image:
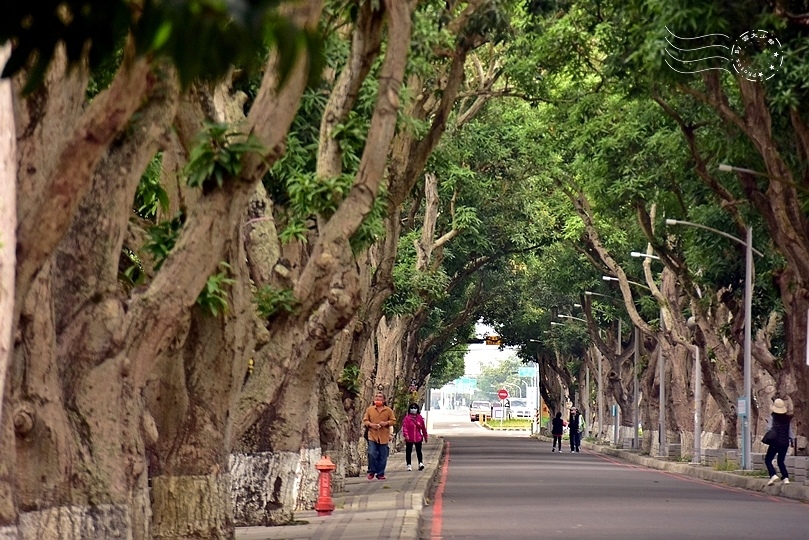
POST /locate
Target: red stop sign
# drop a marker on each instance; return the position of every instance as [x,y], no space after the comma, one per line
[502,393]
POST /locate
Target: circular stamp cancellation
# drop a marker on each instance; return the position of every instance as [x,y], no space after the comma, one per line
[756,55]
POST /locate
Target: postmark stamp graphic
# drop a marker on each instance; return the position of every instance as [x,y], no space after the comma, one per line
[757,55]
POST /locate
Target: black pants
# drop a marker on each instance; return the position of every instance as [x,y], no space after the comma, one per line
[781,451]
[575,440]
[557,442]
[409,449]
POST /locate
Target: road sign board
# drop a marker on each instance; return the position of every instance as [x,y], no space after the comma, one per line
[528,371]
[741,406]
[502,393]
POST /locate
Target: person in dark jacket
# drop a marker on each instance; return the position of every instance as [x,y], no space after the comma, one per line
[573,426]
[557,429]
[781,422]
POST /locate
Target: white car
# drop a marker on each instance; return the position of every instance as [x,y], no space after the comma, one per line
[518,408]
[479,409]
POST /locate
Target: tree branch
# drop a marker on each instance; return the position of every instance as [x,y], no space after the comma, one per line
[701,164]
[365,46]
[156,315]
[582,206]
[44,222]
[357,205]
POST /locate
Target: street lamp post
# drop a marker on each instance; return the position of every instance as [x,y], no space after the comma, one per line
[636,438]
[619,351]
[748,323]
[588,417]
[661,361]
[539,403]
[697,459]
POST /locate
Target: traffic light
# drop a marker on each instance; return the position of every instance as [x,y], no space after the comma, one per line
[494,340]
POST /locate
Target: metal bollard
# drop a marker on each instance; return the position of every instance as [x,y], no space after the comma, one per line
[324,504]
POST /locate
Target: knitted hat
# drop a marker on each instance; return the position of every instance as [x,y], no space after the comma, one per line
[778,406]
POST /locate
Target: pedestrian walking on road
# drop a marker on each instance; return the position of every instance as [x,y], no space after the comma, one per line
[573,425]
[557,429]
[414,432]
[781,424]
[378,419]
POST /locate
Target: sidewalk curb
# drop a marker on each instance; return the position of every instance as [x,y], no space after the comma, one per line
[368,509]
[750,483]
[420,495]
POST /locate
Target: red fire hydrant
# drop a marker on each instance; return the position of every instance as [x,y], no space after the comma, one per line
[324,504]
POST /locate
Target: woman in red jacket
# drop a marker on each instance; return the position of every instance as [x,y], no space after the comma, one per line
[414,432]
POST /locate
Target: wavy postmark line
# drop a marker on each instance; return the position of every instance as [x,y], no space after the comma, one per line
[693,49]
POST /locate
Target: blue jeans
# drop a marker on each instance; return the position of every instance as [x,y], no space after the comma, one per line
[377,457]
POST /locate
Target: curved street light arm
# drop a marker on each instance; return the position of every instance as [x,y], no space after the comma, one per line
[572,317]
[612,278]
[717,231]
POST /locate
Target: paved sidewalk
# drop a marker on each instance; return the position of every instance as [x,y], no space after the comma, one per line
[367,509]
[752,483]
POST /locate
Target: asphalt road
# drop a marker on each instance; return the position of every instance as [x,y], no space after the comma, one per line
[511,487]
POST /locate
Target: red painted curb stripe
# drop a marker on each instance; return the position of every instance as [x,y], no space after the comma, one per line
[438,505]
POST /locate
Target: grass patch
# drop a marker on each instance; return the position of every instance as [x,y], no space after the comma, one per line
[513,423]
[761,474]
[727,465]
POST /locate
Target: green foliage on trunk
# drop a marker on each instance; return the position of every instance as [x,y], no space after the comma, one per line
[218,154]
[214,296]
[271,301]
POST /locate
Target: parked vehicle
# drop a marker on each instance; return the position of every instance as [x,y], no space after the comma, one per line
[518,408]
[478,409]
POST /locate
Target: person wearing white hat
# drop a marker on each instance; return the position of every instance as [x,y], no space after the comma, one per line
[778,437]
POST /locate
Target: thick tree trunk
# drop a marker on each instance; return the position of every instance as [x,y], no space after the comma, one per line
[328,291]
[8,222]
[195,388]
[86,351]
[72,333]
[720,374]
[191,401]
[268,487]
[81,430]
[82,522]
[651,402]
[192,507]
